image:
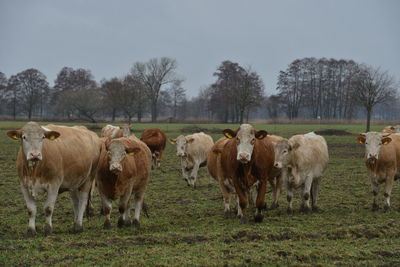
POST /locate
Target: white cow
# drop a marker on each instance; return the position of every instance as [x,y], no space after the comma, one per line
[193,150]
[303,160]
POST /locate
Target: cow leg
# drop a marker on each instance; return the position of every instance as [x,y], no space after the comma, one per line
[227,197]
[314,193]
[305,206]
[388,191]
[83,198]
[90,208]
[289,196]
[193,174]
[276,190]
[243,204]
[124,218]
[185,175]
[375,191]
[153,161]
[260,202]
[52,194]
[159,155]
[75,203]
[31,206]
[139,196]
[107,207]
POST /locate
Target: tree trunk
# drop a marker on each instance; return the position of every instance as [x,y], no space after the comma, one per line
[154,111]
[369,113]
[139,116]
[114,111]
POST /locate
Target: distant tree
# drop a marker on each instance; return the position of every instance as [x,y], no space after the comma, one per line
[112,91]
[178,95]
[3,87]
[153,75]
[87,102]
[273,104]
[32,87]
[372,87]
[134,97]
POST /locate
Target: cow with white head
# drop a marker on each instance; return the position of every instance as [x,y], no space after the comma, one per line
[382,159]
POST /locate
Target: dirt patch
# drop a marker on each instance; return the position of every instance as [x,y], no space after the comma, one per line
[333,132]
[194,239]
[250,236]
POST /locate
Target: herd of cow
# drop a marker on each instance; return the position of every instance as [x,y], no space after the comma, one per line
[55,159]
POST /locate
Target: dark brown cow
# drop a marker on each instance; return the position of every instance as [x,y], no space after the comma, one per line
[124,169]
[155,139]
[245,161]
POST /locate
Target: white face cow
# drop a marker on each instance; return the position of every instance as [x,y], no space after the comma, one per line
[245,137]
[181,144]
[32,136]
[373,142]
[116,152]
[126,131]
[282,150]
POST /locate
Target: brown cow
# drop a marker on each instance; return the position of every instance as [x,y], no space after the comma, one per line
[115,131]
[54,159]
[124,169]
[155,139]
[245,161]
[382,158]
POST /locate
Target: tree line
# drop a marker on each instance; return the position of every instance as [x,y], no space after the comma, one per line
[307,88]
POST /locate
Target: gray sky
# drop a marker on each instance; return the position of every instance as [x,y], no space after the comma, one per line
[107,37]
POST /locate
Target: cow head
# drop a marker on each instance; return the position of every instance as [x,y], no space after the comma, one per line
[373,142]
[283,149]
[31,137]
[181,144]
[245,138]
[117,150]
[126,131]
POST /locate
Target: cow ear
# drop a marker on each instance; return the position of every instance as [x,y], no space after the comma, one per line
[228,133]
[190,140]
[51,135]
[172,140]
[361,139]
[14,135]
[386,140]
[294,146]
[261,134]
[132,149]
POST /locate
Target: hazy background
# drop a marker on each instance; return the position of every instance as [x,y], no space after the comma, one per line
[107,37]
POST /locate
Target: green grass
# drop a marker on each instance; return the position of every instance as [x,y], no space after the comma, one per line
[186,226]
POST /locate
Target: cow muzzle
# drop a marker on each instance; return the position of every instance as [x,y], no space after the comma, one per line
[115,168]
[181,154]
[243,158]
[278,165]
[32,156]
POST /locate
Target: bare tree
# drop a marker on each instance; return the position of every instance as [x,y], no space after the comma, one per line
[177,93]
[154,74]
[3,87]
[372,87]
[112,90]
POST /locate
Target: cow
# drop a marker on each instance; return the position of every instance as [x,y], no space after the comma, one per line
[382,159]
[54,159]
[192,150]
[115,131]
[155,139]
[303,160]
[123,171]
[391,129]
[245,161]
[215,171]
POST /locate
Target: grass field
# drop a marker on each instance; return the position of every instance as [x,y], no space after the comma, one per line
[186,226]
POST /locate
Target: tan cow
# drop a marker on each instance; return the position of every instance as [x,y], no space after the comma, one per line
[391,129]
[124,170]
[115,131]
[382,158]
[303,160]
[192,150]
[53,159]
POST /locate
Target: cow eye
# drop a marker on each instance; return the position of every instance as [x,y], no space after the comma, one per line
[24,137]
[285,151]
[43,137]
[366,143]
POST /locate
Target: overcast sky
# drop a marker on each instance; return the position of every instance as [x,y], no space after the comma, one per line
[107,37]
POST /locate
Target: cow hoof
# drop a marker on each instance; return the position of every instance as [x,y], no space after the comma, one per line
[289,211]
[274,206]
[128,223]
[226,214]
[305,210]
[31,232]
[315,209]
[258,218]
[90,212]
[386,208]
[375,207]
[101,211]
[47,230]
[107,225]
[244,220]
[78,228]
[136,223]
[121,222]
